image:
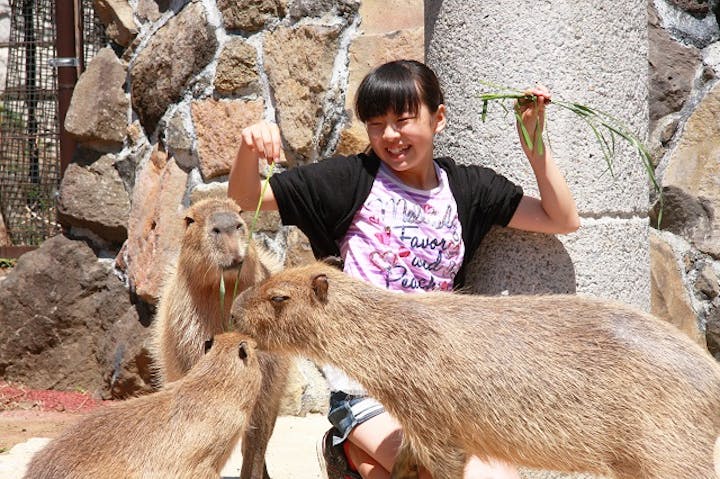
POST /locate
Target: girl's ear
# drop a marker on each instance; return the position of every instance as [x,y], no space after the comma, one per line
[440,119]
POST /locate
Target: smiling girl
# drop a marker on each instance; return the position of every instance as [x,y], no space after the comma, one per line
[401,219]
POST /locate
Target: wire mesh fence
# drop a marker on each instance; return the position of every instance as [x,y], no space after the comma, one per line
[29,128]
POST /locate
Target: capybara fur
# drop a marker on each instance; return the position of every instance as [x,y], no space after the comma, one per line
[216,244]
[551,382]
[187,430]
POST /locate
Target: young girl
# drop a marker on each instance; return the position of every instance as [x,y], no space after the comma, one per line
[399,219]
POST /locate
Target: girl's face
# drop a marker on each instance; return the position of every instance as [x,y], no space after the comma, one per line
[404,141]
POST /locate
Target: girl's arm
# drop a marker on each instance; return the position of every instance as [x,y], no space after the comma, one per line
[258,141]
[555,211]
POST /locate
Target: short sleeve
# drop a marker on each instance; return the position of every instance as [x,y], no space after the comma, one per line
[497,197]
[320,199]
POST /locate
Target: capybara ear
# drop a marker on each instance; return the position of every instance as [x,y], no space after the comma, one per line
[243,350]
[334,261]
[208,344]
[320,286]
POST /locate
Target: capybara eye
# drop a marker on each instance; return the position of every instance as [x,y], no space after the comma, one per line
[216,231]
[242,351]
[239,227]
[208,345]
[189,221]
[279,299]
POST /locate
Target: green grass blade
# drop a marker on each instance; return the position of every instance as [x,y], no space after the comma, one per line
[525,134]
[222,295]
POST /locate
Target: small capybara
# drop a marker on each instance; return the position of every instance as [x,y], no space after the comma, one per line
[187,430]
[552,382]
[216,244]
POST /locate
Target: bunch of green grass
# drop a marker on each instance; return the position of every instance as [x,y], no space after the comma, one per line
[250,235]
[606,128]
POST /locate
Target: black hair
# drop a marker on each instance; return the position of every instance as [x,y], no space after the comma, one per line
[399,86]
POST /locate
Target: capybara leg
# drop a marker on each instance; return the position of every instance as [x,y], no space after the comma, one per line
[263,416]
[405,466]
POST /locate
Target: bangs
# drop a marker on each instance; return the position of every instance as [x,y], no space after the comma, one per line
[395,90]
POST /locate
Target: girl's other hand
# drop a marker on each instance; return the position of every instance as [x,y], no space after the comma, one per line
[532,114]
[263,139]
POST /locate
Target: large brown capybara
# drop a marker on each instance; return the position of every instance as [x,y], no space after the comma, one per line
[187,430]
[216,244]
[552,382]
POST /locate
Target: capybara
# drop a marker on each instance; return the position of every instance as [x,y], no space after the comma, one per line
[552,382]
[187,430]
[216,244]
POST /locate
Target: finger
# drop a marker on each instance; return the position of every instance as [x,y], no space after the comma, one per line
[276,142]
[267,142]
[543,93]
[247,138]
[258,141]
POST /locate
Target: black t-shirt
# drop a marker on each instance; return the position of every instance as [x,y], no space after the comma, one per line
[321,199]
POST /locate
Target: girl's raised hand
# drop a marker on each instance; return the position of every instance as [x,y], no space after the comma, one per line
[532,114]
[263,139]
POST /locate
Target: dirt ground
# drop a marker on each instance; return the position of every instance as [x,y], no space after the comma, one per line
[27,413]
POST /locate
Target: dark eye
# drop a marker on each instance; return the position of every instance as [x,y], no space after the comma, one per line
[208,345]
[189,221]
[216,231]
[279,299]
[239,227]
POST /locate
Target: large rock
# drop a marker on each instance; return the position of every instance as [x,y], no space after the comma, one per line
[696,8]
[57,306]
[217,147]
[179,137]
[299,64]
[669,298]
[124,357]
[117,16]
[177,52]
[94,198]
[236,71]
[300,9]
[693,170]
[99,107]
[672,69]
[250,15]
[155,225]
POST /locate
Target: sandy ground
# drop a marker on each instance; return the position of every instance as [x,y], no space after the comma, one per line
[291,452]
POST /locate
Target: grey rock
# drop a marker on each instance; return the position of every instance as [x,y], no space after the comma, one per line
[94,198]
[177,51]
[57,306]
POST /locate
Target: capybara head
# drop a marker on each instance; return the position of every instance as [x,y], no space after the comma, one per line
[279,312]
[215,234]
[233,354]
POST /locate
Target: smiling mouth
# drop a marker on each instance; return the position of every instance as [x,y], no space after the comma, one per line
[398,151]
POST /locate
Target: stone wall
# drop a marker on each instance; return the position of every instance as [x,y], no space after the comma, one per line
[684,59]
[157,118]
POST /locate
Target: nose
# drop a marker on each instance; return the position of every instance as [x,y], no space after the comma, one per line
[390,131]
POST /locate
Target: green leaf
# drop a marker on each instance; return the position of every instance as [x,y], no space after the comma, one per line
[525,134]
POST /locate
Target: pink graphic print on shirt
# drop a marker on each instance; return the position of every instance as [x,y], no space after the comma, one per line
[405,239]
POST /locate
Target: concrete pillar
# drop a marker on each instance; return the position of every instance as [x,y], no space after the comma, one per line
[592,52]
